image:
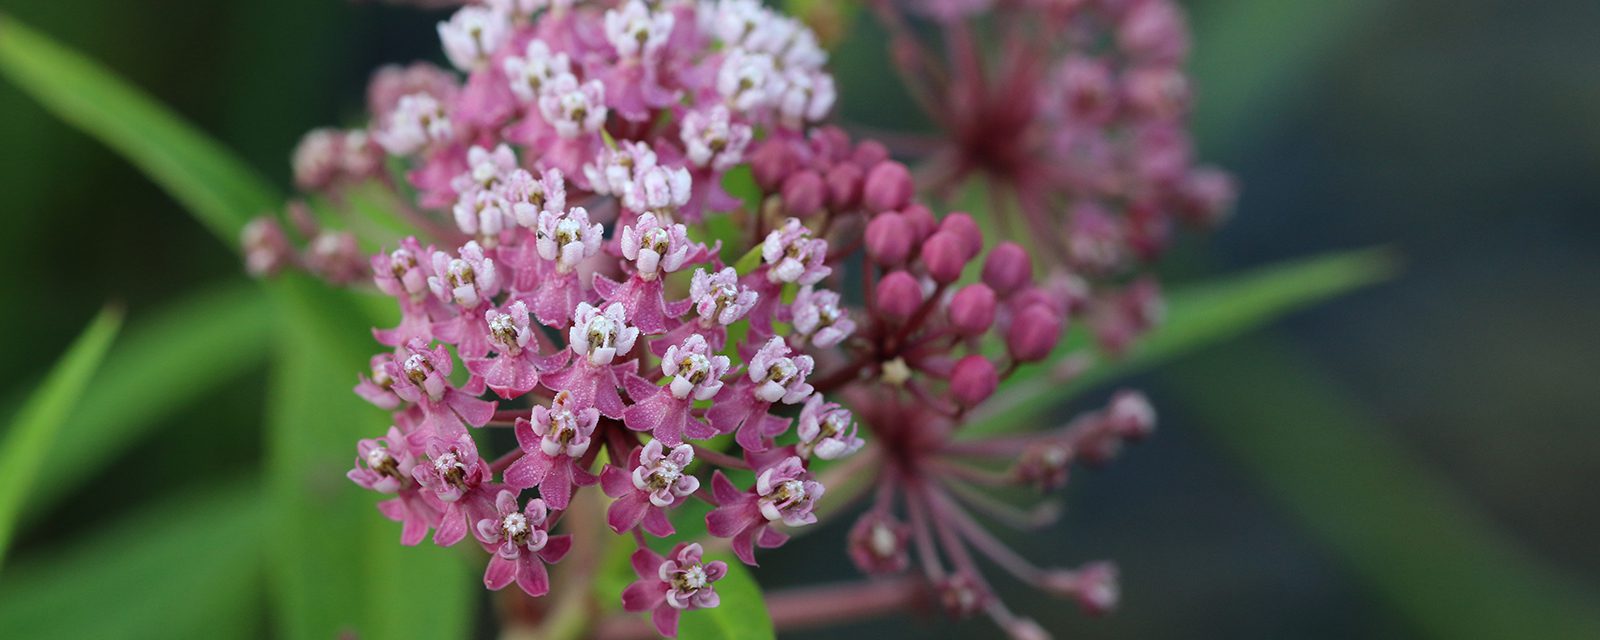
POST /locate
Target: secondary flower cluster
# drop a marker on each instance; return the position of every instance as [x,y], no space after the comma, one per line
[1080,125]
[582,272]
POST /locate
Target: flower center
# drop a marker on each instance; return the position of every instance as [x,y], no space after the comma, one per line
[515,526]
[417,368]
[691,579]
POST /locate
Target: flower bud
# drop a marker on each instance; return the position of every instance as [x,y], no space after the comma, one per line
[899,295]
[1024,629]
[1094,586]
[973,380]
[1044,465]
[869,153]
[1007,268]
[888,239]
[266,249]
[1207,195]
[1131,416]
[803,193]
[964,227]
[878,544]
[972,309]
[844,186]
[770,163]
[921,220]
[1034,333]
[888,187]
[945,255]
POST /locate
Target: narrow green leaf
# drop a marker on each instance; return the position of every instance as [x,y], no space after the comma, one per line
[1398,524]
[337,564]
[208,180]
[749,261]
[742,614]
[162,363]
[27,441]
[1197,317]
[185,568]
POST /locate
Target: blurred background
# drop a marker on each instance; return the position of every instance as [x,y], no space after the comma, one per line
[1464,134]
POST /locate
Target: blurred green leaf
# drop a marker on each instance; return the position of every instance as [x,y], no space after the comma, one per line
[337,564]
[186,568]
[26,446]
[208,180]
[1197,316]
[742,614]
[1399,525]
[164,362]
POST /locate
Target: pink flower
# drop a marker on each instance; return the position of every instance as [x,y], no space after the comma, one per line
[784,492]
[515,368]
[659,481]
[668,586]
[417,122]
[573,109]
[696,374]
[521,545]
[457,478]
[473,34]
[466,280]
[827,431]
[772,376]
[596,338]
[816,314]
[422,378]
[711,140]
[879,544]
[537,67]
[530,198]
[554,444]
[655,250]
[792,255]
[718,300]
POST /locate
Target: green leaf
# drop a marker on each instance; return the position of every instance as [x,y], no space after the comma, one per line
[27,441]
[742,614]
[337,564]
[208,180]
[186,568]
[1197,317]
[749,261]
[162,363]
[1397,523]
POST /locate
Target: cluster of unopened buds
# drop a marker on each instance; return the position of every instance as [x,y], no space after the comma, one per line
[586,271]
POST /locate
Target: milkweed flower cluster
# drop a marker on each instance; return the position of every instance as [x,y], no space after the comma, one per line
[585,272]
[1079,123]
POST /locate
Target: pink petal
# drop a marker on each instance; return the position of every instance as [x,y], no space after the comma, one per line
[499,573]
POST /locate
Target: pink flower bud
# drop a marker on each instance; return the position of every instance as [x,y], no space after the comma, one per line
[1034,333]
[972,309]
[964,227]
[770,163]
[803,193]
[844,187]
[888,187]
[899,295]
[1007,268]
[1094,586]
[973,380]
[921,221]
[869,153]
[1207,195]
[945,255]
[888,239]
[1131,416]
